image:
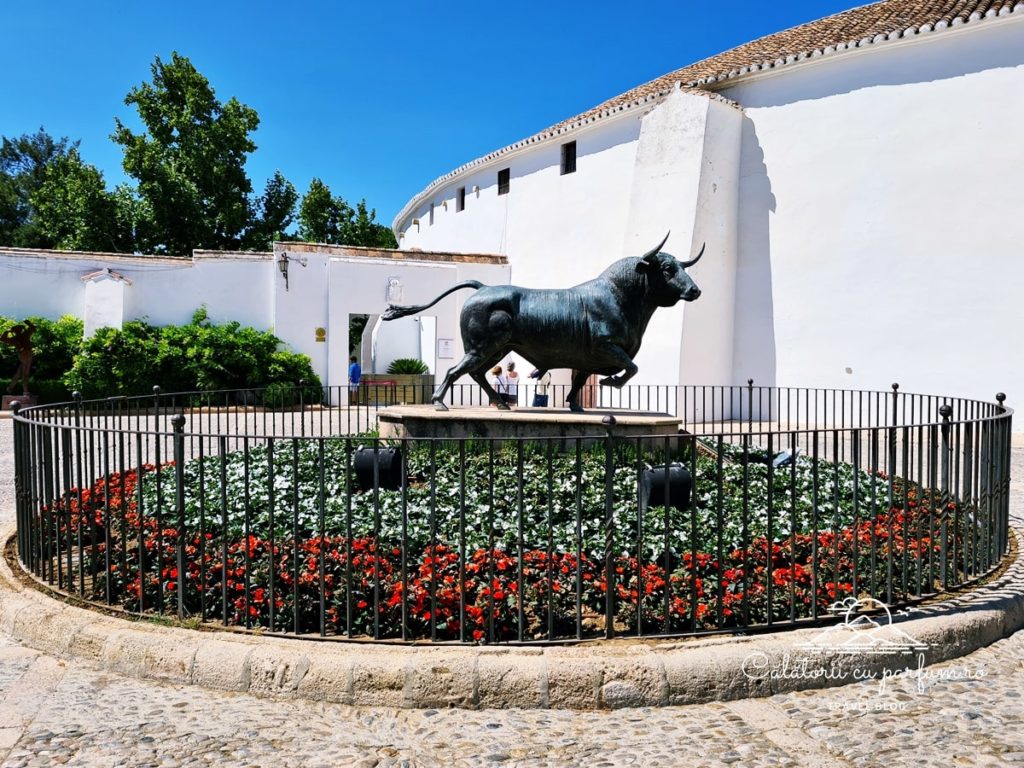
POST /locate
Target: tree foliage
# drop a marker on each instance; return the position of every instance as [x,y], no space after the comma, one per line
[24,162]
[191,190]
[274,213]
[324,218]
[75,212]
[190,161]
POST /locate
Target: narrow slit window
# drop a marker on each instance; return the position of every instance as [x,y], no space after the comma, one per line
[431,214]
[569,158]
[504,177]
[460,200]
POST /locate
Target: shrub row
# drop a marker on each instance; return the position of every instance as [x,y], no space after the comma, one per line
[130,361]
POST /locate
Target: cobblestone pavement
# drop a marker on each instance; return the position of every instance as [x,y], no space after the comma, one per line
[57,713]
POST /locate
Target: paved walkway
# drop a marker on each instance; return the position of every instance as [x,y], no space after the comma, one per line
[57,713]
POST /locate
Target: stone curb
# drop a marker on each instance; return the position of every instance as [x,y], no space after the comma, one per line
[587,676]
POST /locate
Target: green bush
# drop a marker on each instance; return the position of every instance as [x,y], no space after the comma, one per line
[284,395]
[197,356]
[407,365]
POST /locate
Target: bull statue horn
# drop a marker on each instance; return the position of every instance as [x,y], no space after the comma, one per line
[651,254]
[695,259]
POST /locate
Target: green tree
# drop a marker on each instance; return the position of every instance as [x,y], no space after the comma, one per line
[24,161]
[190,160]
[74,211]
[321,215]
[324,218]
[362,229]
[274,213]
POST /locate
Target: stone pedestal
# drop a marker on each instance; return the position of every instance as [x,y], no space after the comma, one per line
[424,421]
[26,401]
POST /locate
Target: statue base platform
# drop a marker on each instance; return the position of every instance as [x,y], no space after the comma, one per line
[26,401]
[424,421]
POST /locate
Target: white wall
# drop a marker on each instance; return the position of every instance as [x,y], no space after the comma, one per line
[877,220]
[638,176]
[163,291]
[880,224]
[249,289]
[537,224]
[359,286]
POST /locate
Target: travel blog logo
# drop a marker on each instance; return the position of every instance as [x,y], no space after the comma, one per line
[863,634]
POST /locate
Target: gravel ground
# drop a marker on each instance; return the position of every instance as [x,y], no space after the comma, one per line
[64,713]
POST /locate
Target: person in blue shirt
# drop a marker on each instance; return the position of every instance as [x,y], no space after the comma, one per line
[355,372]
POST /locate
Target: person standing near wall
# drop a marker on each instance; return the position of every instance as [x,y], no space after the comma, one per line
[513,384]
[500,383]
[355,373]
[540,397]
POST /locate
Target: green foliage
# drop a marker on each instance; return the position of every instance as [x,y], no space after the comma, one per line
[274,213]
[324,218]
[192,188]
[407,365]
[24,162]
[75,212]
[196,356]
[190,161]
[356,326]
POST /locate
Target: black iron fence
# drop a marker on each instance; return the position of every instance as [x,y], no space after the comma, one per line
[285,512]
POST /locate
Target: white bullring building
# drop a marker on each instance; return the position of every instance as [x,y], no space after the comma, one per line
[857,182]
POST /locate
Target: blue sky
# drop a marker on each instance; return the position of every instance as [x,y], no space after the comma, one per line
[377,99]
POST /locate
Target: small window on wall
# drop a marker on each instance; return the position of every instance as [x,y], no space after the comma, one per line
[504,176]
[569,158]
[431,214]
[460,200]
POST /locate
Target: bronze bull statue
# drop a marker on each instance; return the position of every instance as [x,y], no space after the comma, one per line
[594,327]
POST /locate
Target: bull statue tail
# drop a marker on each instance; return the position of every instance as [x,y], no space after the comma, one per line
[393,312]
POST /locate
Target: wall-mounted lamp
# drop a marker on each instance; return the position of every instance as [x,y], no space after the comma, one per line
[476,189]
[445,204]
[282,265]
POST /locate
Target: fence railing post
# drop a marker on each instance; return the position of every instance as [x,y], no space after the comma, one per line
[609,518]
[945,411]
[178,423]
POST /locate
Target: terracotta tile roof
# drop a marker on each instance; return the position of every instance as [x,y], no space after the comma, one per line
[856,28]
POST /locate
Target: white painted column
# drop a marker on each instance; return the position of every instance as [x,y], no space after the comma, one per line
[104,302]
[686,180]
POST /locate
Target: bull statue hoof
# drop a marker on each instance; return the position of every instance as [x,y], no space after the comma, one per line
[612,381]
[576,408]
[440,406]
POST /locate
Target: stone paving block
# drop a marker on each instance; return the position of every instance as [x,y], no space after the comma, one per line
[511,681]
[222,664]
[380,681]
[442,678]
[636,680]
[328,678]
[573,682]
[158,656]
[275,670]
